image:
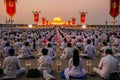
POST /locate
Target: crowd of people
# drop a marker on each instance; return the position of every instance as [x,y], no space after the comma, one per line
[75,45]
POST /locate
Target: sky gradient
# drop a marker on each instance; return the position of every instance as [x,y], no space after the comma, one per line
[98,10]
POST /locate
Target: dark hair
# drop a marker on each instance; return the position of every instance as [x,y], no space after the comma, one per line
[49,45]
[69,45]
[11,52]
[7,44]
[75,57]
[104,43]
[26,43]
[44,51]
[108,51]
[88,41]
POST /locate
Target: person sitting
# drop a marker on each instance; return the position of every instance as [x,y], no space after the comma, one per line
[75,69]
[26,52]
[11,65]
[44,62]
[103,49]
[107,65]
[51,52]
[68,52]
[6,49]
[89,50]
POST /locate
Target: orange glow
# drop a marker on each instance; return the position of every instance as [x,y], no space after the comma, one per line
[57,21]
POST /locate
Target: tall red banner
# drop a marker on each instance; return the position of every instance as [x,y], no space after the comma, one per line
[10,7]
[73,21]
[43,21]
[114,8]
[69,22]
[83,14]
[36,17]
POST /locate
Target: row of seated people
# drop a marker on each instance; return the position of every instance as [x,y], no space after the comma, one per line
[75,69]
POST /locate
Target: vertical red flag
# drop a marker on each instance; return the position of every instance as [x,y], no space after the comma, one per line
[36,17]
[73,21]
[83,14]
[10,7]
[43,21]
[46,22]
[114,8]
[69,22]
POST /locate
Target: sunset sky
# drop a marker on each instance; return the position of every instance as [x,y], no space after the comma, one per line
[98,10]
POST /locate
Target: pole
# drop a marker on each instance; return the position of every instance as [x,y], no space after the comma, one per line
[11,26]
[113,24]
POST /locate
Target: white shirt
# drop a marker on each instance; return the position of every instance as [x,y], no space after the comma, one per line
[44,63]
[73,71]
[51,53]
[90,50]
[68,52]
[11,65]
[108,64]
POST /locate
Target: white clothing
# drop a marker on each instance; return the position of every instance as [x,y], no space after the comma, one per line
[51,53]
[108,64]
[44,63]
[26,52]
[73,71]
[11,66]
[68,52]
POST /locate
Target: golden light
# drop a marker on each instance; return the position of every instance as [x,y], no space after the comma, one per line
[57,21]
[30,26]
[84,26]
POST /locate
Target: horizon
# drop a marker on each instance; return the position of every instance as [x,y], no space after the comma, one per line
[98,11]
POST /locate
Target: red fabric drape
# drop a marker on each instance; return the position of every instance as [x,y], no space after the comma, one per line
[83,17]
[43,21]
[73,21]
[36,17]
[10,7]
[114,8]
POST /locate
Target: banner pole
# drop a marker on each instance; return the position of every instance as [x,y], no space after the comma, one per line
[113,25]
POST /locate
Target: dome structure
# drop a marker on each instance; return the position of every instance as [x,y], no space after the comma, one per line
[57,21]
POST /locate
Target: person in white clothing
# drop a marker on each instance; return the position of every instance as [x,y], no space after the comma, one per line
[68,52]
[75,69]
[44,62]
[51,51]
[108,64]
[12,66]
[26,52]
[89,50]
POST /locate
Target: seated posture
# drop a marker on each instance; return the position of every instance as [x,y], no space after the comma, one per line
[11,65]
[68,52]
[26,52]
[108,64]
[6,50]
[51,52]
[75,69]
[89,50]
[44,62]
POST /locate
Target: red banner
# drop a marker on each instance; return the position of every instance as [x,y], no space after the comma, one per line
[73,21]
[10,7]
[36,17]
[83,14]
[69,22]
[114,8]
[43,21]
[47,22]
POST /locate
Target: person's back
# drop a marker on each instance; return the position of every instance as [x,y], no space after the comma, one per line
[110,65]
[11,65]
[44,62]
